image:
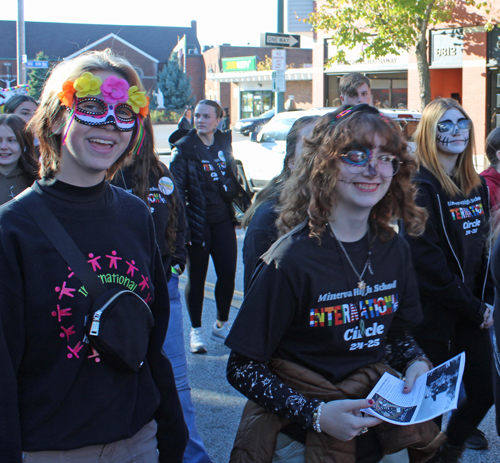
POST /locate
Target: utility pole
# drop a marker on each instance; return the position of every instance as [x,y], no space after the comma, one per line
[280,96]
[21,46]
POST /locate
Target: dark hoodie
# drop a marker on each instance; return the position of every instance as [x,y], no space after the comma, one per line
[451,259]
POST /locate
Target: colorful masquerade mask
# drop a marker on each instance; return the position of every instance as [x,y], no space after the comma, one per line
[118,104]
[94,111]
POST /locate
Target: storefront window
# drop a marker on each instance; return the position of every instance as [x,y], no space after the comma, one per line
[254,103]
[494,106]
[388,90]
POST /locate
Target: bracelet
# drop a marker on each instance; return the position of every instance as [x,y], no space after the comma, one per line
[420,359]
[317,416]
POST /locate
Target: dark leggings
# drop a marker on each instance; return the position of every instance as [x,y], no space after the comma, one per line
[477,378]
[220,243]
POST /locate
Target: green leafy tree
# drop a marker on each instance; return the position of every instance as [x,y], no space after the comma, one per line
[175,86]
[37,77]
[389,27]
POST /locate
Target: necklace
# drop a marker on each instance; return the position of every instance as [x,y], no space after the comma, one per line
[361,282]
[11,188]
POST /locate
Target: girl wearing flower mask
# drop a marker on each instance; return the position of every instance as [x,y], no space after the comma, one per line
[313,334]
[59,399]
[451,261]
[18,165]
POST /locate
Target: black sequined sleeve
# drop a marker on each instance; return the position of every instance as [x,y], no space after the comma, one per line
[400,349]
[256,382]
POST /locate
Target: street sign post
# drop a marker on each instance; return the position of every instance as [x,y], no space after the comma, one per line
[37,64]
[275,39]
[278,82]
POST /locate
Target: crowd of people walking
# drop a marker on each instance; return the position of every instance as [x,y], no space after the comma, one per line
[95,232]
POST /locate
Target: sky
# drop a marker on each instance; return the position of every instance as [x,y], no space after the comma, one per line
[238,22]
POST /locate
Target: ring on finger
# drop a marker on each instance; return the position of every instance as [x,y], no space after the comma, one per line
[362,430]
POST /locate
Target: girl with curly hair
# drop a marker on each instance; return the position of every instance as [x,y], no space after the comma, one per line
[335,298]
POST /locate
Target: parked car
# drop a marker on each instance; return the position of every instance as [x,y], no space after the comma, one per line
[253,124]
[261,158]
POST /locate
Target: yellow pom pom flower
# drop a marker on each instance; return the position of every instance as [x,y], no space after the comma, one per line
[87,84]
[136,99]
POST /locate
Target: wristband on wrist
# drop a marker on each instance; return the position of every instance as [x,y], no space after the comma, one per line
[317,416]
[177,269]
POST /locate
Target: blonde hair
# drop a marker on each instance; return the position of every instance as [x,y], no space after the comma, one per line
[426,153]
[50,110]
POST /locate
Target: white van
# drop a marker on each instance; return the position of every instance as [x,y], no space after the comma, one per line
[261,158]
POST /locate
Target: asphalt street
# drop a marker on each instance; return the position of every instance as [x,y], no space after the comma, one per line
[218,405]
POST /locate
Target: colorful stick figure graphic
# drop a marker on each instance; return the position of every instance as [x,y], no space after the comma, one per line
[113,260]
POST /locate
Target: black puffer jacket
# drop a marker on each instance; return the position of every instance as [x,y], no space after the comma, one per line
[188,172]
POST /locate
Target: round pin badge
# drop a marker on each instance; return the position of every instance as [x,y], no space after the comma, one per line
[166,185]
[221,156]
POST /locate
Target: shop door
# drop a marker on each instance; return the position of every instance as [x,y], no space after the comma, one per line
[253,104]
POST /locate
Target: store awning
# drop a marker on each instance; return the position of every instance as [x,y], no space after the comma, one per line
[259,76]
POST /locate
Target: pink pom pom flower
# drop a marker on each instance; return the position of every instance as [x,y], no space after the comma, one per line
[115,90]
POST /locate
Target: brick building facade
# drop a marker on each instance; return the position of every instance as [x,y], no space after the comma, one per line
[464,64]
[248,93]
[148,48]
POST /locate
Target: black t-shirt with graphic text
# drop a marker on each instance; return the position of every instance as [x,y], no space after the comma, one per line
[216,207]
[305,305]
[469,220]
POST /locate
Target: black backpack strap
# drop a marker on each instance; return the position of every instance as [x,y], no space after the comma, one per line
[39,211]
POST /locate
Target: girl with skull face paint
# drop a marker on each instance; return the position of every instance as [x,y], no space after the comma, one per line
[451,260]
[59,398]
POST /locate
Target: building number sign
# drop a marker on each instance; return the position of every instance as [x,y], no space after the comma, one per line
[447,51]
[447,47]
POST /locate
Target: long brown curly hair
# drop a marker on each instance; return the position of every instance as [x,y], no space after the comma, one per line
[310,190]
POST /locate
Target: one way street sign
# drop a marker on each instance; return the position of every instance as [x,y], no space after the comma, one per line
[274,39]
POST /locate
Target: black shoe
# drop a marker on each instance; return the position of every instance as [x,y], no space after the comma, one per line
[477,441]
[450,453]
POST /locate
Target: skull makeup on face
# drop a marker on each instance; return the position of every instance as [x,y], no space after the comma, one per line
[453,133]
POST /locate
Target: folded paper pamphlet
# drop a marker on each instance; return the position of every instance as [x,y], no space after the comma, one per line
[433,394]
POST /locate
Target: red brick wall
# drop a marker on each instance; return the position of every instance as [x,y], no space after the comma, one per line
[301,91]
[225,94]
[413,84]
[213,57]
[195,68]
[318,79]
[474,85]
